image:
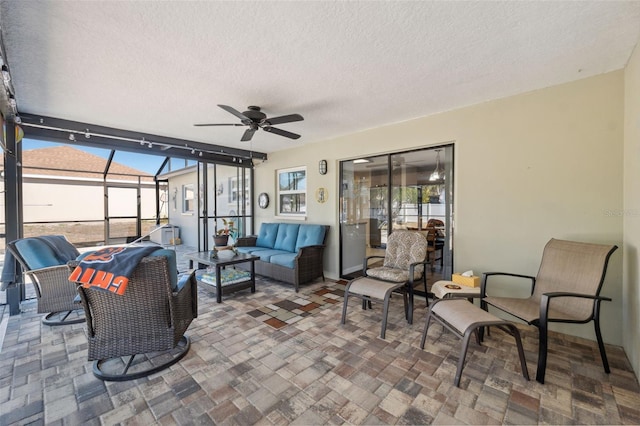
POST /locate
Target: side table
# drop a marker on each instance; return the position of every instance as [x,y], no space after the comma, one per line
[446,289]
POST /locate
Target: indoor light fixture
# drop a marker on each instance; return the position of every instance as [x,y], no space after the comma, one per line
[361,161]
[438,173]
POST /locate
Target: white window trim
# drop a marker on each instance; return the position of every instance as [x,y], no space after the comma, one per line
[291,216]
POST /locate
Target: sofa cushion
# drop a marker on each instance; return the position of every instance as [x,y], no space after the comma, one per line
[287,237]
[265,255]
[267,235]
[309,235]
[250,249]
[287,260]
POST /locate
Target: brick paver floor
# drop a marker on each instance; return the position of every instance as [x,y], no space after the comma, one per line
[241,371]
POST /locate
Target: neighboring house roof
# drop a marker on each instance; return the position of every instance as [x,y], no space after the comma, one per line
[72,162]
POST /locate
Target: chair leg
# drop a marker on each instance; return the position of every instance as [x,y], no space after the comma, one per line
[344,305]
[542,352]
[385,312]
[424,280]
[603,353]
[426,328]
[463,355]
[523,362]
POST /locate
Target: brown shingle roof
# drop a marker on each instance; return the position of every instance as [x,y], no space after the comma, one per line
[69,161]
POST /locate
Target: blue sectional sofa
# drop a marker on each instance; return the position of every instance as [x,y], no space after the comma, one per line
[288,252]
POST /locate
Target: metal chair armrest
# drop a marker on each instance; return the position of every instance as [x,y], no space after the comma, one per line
[486,275]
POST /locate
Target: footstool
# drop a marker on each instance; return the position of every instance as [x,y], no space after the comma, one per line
[464,318]
[368,288]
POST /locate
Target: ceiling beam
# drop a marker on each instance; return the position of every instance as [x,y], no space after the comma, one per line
[74,132]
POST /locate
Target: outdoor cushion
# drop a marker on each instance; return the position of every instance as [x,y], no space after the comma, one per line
[309,235]
[287,260]
[267,236]
[287,236]
[38,254]
[250,249]
[265,255]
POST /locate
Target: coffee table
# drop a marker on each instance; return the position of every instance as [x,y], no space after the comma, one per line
[225,258]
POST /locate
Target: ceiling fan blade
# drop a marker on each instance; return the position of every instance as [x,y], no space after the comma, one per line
[281,132]
[284,119]
[248,134]
[225,124]
[235,112]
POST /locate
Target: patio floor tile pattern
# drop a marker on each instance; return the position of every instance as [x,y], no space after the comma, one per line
[297,306]
[314,371]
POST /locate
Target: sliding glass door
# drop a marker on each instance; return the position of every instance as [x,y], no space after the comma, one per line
[405,190]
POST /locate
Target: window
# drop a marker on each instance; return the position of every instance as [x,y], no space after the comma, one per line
[292,192]
[188,198]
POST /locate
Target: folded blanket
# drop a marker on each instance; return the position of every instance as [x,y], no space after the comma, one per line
[110,268]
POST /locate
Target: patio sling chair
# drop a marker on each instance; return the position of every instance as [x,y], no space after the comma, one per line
[404,264]
[147,322]
[44,259]
[566,289]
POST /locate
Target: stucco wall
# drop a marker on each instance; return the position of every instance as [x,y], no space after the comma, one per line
[527,168]
[631,283]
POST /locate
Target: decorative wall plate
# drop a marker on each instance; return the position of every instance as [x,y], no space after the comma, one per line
[321,195]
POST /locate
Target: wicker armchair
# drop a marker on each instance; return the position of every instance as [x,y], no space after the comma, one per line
[149,319]
[44,260]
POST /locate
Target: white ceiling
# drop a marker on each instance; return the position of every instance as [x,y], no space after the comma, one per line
[160,67]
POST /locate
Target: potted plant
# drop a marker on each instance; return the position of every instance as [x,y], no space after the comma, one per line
[222,235]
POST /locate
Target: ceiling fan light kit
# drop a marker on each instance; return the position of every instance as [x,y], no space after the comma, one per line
[255,119]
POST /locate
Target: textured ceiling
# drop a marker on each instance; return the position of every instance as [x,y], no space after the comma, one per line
[160,67]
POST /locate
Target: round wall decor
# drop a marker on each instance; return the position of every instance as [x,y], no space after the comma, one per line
[263,200]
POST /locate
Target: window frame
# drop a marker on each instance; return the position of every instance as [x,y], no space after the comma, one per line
[300,193]
[188,201]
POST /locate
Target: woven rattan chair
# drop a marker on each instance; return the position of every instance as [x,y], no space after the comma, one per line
[44,260]
[147,322]
[566,289]
[404,263]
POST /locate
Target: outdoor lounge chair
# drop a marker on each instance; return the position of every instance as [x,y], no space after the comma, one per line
[149,320]
[405,263]
[566,289]
[44,259]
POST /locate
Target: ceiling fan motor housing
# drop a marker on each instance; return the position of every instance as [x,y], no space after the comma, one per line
[255,114]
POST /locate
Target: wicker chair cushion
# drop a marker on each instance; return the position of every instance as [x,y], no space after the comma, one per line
[286,237]
[267,235]
[310,235]
[38,254]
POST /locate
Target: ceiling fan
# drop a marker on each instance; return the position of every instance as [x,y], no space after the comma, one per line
[255,119]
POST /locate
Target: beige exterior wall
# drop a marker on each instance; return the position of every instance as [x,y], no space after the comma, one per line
[631,282]
[527,168]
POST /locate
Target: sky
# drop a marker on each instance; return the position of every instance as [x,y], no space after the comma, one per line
[146,163]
